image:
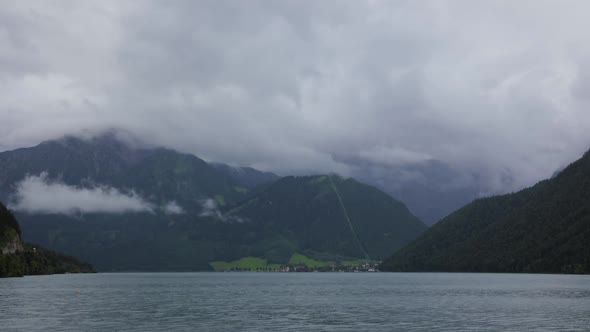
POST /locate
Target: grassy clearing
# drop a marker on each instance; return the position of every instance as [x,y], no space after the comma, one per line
[298,259]
[261,264]
[245,263]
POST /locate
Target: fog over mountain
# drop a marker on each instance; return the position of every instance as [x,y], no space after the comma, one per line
[459,98]
[36,194]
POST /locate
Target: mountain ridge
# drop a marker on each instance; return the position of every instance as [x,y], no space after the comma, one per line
[541,229]
[350,212]
[200,227]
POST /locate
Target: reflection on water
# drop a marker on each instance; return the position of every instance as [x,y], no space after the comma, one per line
[294,302]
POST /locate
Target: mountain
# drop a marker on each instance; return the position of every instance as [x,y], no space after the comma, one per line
[160,173]
[145,208]
[332,215]
[246,177]
[542,229]
[171,186]
[18,259]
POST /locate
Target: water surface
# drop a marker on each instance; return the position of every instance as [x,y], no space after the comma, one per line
[295,302]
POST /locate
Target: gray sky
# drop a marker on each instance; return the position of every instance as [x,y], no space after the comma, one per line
[497,88]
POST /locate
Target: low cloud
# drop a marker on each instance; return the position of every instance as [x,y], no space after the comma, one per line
[39,194]
[210,209]
[172,208]
[393,156]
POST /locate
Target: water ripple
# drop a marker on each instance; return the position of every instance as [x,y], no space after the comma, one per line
[295,302]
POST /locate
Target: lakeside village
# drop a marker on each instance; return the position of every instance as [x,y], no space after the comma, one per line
[363,267]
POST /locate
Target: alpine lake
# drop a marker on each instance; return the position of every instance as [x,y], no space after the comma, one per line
[243,301]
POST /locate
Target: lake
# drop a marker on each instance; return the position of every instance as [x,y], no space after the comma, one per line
[295,302]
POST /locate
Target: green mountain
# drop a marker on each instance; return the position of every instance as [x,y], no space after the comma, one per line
[542,229]
[332,215]
[222,212]
[18,259]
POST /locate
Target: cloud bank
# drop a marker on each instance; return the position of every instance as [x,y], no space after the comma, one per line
[37,194]
[496,88]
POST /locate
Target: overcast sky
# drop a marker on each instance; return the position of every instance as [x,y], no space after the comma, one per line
[488,87]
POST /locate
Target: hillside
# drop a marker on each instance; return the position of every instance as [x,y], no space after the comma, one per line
[332,215]
[542,229]
[18,259]
[186,213]
[289,216]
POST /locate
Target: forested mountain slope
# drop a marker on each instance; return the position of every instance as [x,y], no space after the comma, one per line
[545,229]
[331,214]
[18,259]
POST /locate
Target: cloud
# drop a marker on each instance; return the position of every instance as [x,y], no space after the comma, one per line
[38,194]
[493,88]
[172,208]
[393,156]
[210,209]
